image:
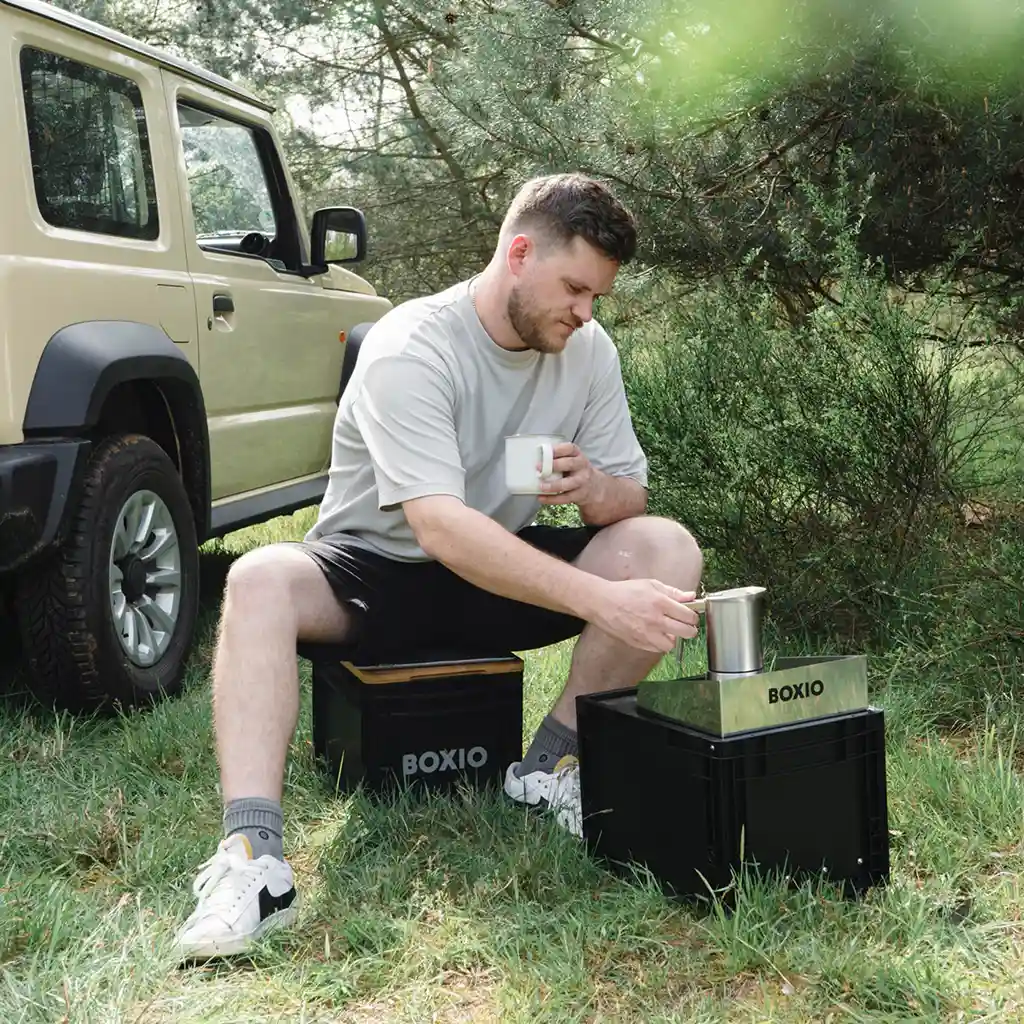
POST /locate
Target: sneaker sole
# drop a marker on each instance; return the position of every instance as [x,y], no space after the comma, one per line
[240,943]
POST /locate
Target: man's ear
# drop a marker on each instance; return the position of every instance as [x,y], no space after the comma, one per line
[519,250]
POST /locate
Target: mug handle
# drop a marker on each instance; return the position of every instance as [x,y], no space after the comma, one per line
[547,456]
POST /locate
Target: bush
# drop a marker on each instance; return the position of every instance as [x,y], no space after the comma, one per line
[829,461]
[958,647]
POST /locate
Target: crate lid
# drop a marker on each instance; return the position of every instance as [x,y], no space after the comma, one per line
[432,664]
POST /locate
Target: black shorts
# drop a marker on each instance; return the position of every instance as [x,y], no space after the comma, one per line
[406,607]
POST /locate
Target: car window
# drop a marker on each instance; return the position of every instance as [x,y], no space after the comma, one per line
[227,183]
[91,160]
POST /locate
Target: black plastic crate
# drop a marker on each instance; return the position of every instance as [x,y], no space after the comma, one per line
[805,799]
[431,720]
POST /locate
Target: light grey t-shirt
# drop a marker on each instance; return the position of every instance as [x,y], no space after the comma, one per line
[429,405]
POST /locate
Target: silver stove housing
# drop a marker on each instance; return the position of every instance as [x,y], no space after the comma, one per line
[793,690]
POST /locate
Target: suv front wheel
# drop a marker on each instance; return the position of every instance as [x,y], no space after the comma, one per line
[111,617]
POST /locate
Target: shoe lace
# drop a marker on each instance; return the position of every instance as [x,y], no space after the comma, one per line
[217,886]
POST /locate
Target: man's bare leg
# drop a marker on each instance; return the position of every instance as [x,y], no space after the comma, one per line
[274,596]
[646,547]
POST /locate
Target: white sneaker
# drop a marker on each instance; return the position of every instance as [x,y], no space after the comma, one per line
[558,790]
[240,899]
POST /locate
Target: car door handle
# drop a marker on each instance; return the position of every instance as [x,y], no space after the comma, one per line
[223,304]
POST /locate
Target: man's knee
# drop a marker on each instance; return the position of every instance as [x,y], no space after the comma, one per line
[265,575]
[661,548]
[280,589]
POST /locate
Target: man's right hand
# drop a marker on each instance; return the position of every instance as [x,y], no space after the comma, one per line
[646,614]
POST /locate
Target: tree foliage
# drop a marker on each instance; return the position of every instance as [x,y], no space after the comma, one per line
[708,117]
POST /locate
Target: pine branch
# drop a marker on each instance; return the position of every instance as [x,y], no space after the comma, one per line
[434,136]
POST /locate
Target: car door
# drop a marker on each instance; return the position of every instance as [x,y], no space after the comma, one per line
[269,338]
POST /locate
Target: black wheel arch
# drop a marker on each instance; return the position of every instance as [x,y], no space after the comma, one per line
[84,362]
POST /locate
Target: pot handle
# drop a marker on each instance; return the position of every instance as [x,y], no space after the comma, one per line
[695,606]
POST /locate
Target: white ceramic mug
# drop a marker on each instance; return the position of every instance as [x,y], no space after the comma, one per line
[523,454]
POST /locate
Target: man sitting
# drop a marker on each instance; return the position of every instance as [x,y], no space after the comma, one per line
[419,543]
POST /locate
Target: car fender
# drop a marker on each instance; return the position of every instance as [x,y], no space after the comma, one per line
[83,362]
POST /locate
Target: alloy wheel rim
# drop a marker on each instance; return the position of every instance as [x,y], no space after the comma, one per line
[145,578]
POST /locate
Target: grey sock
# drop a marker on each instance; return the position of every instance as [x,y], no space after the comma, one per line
[551,743]
[260,821]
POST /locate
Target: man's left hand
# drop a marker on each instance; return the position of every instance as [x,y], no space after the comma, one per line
[580,482]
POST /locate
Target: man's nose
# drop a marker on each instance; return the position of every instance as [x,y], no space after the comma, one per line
[583,309]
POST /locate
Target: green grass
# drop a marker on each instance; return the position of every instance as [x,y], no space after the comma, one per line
[465,908]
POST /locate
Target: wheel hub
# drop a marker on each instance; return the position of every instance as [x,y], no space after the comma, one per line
[134,583]
[145,578]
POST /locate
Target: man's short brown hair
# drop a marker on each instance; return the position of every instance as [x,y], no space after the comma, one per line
[564,206]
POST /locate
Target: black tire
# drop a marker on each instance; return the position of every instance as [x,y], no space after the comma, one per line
[68,627]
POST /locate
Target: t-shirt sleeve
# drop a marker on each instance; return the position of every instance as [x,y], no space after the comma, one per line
[606,434]
[405,412]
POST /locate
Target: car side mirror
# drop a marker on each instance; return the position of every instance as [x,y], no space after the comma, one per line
[337,235]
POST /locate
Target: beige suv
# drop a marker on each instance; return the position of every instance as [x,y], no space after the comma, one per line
[173,343]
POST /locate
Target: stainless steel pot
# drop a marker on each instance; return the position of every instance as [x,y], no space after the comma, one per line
[734,623]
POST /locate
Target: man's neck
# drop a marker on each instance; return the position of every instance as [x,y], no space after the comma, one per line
[492,309]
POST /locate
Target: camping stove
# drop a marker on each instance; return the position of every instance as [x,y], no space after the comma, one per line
[792,690]
[779,766]
[737,694]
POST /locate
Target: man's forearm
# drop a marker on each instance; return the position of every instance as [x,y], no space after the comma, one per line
[489,556]
[614,498]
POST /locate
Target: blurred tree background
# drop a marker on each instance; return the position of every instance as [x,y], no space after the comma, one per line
[822,333]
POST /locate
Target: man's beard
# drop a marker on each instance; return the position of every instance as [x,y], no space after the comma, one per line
[528,325]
